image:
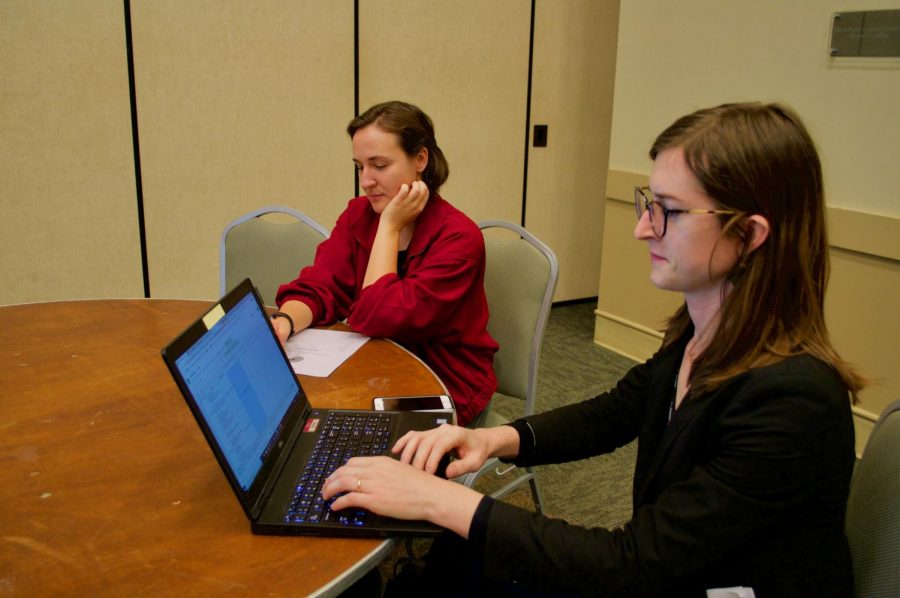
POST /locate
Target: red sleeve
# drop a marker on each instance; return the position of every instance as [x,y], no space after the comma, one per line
[328,286]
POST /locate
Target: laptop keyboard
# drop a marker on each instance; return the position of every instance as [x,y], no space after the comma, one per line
[344,435]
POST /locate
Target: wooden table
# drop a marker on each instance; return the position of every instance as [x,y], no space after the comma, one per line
[107,484]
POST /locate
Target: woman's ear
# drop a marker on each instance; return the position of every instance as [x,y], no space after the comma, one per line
[757,231]
[422,160]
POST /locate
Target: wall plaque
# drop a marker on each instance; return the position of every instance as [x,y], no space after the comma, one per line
[866,33]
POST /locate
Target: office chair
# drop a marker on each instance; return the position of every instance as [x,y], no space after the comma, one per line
[520,278]
[268,252]
[873,510]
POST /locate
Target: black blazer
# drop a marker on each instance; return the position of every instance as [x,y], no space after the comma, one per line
[747,486]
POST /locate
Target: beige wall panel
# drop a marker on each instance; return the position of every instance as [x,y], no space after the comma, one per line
[675,57]
[465,63]
[69,225]
[864,233]
[572,91]
[861,312]
[241,105]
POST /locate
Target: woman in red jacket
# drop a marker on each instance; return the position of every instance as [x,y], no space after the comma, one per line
[401,262]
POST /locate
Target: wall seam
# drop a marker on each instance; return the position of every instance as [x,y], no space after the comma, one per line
[136,147]
[528,114]
[355,81]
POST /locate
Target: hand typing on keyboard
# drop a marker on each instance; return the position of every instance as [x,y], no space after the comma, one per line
[406,488]
[344,436]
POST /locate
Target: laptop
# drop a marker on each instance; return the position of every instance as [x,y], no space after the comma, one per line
[237,381]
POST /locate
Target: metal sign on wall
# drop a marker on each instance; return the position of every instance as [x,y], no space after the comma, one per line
[866,33]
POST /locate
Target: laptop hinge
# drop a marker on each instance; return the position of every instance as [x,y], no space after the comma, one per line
[267,489]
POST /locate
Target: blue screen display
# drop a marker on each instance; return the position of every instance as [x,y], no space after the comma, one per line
[241,384]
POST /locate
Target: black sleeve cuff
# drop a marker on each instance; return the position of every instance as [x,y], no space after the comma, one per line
[478,527]
[526,442]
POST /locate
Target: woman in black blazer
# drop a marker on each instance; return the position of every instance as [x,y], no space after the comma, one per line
[745,437]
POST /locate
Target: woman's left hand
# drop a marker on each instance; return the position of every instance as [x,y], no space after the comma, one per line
[406,206]
[387,487]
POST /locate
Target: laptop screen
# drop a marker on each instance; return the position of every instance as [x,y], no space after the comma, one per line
[242,385]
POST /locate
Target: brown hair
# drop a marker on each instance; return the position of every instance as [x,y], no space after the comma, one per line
[414,130]
[759,159]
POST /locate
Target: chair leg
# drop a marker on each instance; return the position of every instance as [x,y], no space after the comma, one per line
[536,493]
[469,480]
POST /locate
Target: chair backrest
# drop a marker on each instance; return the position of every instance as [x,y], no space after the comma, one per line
[519,280]
[269,252]
[873,510]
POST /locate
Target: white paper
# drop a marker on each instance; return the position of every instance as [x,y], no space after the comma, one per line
[735,592]
[317,353]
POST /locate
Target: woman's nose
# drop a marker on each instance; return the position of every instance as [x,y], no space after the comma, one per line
[365,180]
[643,230]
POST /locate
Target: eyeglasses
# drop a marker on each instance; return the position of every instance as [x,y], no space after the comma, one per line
[659,214]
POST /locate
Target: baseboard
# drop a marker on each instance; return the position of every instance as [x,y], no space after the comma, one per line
[567,302]
[624,337]
[863,422]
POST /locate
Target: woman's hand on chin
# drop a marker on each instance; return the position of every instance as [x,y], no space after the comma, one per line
[406,205]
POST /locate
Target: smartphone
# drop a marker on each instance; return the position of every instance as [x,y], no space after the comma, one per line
[416,403]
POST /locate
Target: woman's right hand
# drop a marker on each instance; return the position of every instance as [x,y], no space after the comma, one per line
[424,450]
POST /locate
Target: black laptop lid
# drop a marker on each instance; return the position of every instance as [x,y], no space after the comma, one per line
[241,388]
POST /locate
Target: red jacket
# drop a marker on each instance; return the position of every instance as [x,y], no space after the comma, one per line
[435,306]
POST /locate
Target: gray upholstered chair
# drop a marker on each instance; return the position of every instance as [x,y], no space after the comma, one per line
[268,251]
[519,281]
[873,511]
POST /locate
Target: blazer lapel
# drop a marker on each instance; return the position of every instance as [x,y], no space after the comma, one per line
[667,436]
[660,392]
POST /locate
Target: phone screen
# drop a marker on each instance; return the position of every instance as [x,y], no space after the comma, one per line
[410,403]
